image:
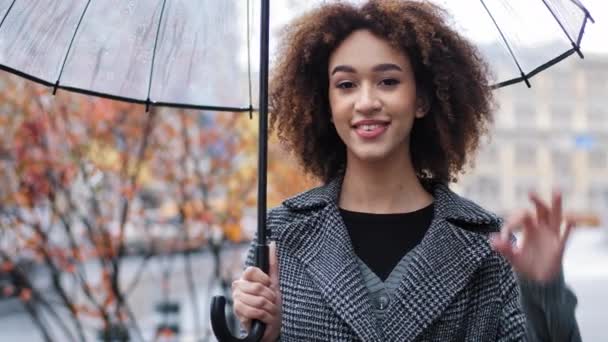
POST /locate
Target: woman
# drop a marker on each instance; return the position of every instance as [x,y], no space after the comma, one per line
[386,104]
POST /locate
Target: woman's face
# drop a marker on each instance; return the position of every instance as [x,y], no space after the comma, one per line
[372,95]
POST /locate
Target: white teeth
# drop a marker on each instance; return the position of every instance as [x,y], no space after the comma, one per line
[369,127]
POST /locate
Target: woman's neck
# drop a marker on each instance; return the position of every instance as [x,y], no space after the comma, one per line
[382,187]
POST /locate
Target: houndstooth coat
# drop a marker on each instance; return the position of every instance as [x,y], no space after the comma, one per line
[456,287]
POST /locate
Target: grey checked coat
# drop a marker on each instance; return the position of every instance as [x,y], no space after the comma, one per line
[456,287]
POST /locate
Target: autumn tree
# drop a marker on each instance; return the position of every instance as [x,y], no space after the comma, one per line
[87,181]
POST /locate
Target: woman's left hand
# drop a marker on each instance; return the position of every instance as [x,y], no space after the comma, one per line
[538,254]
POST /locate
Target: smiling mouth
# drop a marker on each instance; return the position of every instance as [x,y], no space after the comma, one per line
[370,130]
[369,125]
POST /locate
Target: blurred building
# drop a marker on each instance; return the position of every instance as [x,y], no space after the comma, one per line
[552,135]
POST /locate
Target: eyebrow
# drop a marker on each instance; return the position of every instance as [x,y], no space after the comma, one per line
[377,68]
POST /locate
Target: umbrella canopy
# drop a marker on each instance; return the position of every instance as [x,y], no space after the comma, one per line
[518,38]
[198,53]
[180,53]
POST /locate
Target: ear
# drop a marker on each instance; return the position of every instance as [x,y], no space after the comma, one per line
[422,106]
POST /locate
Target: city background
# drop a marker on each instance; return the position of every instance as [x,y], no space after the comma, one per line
[112,218]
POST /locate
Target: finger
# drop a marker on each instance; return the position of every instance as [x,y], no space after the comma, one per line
[273,265]
[555,220]
[257,302]
[513,224]
[543,211]
[246,312]
[498,242]
[570,225]
[255,289]
[256,275]
[529,223]
[508,250]
[246,323]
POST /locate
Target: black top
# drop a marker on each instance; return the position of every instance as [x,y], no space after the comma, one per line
[381,240]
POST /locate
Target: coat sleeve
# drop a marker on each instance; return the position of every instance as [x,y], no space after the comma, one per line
[550,311]
[512,322]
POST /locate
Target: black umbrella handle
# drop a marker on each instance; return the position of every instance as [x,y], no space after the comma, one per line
[220,328]
[218,309]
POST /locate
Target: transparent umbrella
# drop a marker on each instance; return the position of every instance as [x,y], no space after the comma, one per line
[203,54]
[518,38]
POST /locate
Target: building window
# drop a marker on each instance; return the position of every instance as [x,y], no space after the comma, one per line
[598,196]
[488,154]
[597,115]
[562,81]
[561,116]
[595,82]
[525,115]
[525,155]
[598,159]
[560,160]
[485,190]
[561,163]
[523,187]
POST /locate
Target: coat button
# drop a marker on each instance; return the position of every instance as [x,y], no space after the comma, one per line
[383,302]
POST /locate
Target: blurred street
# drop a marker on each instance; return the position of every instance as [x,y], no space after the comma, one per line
[151,145]
[586,269]
[16,325]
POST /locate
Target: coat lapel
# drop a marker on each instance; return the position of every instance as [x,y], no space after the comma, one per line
[439,267]
[321,242]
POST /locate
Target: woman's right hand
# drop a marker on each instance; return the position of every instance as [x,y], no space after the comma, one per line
[257,296]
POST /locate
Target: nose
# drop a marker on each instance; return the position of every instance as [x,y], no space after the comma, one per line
[367,101]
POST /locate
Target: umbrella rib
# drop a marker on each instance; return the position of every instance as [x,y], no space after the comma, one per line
[552,62]
[504,39]
[132,100]
[160,20]
[506,83]
[67,53]
[536,70]
[561,25]
[7,12]
[582,31]
[249,56]
[25,75]
[584,9]
[127,99]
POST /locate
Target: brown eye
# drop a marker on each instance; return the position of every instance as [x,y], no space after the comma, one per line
[389,82]
[345,85]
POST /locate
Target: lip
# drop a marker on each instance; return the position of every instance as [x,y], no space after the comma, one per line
[370,122]
[381,127]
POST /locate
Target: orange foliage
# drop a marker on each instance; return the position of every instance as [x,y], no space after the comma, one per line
[285,177]
[83,162]
[166,332]
[25,295]
[7,266]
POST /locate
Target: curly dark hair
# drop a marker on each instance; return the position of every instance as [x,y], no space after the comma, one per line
[448,70]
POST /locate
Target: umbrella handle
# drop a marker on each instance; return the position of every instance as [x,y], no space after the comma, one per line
[218,306]
[220,328]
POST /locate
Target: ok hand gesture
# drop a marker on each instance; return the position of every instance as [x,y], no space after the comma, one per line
[538,254]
